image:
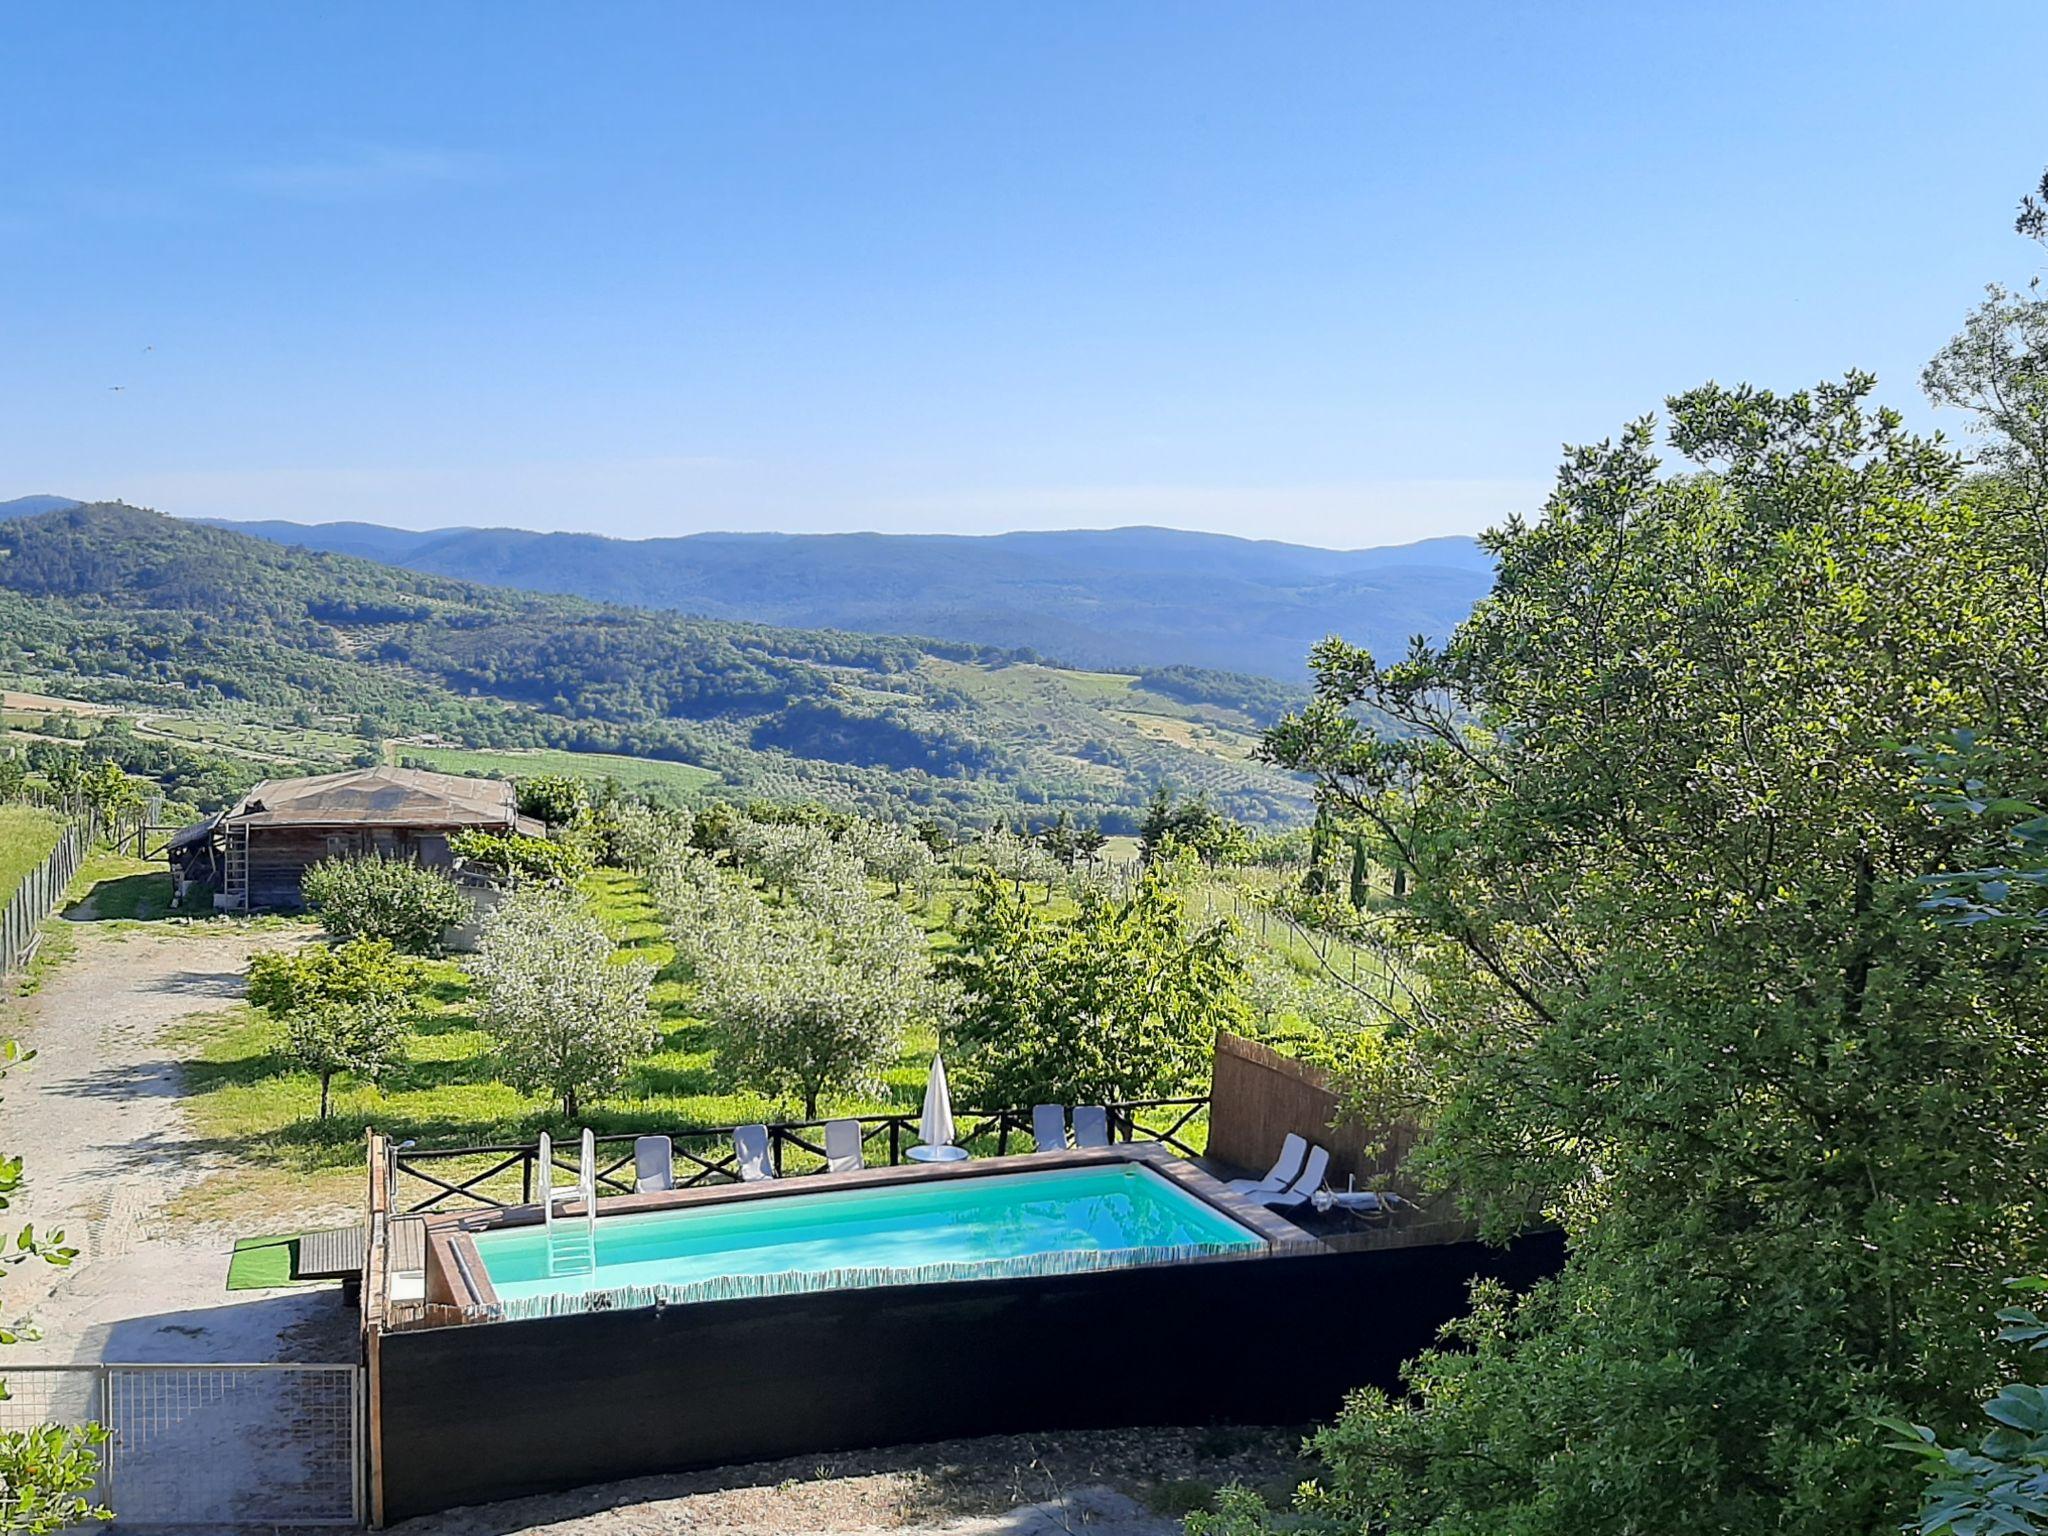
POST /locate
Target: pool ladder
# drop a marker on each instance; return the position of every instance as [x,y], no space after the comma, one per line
[572,1241]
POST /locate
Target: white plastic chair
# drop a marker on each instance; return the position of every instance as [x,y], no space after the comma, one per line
[843,1146]
[654,1164]
[750,1151]
[1049,1127]
[1286,1169]
[1091,1125]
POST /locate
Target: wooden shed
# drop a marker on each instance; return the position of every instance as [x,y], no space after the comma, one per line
[268,839]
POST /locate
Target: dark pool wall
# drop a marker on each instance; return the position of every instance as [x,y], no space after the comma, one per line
[478,1413]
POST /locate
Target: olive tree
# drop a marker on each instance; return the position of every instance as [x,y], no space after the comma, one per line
[892,853]
[569,1019]
[343,1009]
[794,858]
[813,995]
[1020,860]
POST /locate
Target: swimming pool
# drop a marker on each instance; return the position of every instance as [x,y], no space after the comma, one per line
[926,1228]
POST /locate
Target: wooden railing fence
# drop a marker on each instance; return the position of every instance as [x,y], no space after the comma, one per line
[425,1179]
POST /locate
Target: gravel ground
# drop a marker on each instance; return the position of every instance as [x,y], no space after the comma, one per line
[108,1144]
[1105,1482]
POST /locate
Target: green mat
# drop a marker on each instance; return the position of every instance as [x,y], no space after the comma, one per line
[260,1263]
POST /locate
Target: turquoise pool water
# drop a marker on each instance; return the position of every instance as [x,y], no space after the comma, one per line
[997,1224]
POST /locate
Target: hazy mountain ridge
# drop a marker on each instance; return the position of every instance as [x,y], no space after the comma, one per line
[34,506]
[1113,598]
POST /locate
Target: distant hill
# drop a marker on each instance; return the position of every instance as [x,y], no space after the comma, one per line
[128,607]
[29,506]
[1124,597]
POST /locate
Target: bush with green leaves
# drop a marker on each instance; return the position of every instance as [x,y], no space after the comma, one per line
[13,775]
[554,799]
[519,856]
[1195,825]
[1120,1000]
[569,1019]
[1068,844]
[2000,1488]
[406,903]
[114,796]
[344,1009]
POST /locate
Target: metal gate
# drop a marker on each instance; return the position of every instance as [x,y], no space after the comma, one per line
[209,1445]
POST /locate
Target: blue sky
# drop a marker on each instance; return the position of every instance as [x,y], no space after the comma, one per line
[1342,274]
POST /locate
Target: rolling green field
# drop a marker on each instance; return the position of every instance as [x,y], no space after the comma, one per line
[647,776]
[1029,682]
[26,837]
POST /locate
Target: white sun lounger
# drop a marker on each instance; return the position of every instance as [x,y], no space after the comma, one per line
[1091,1125]
[1049,1127]
[842,1146]
[1286,1169]
[750,1152]
[1305,1184]
[654,1164]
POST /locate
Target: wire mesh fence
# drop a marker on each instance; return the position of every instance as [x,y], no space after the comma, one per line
[221,1446]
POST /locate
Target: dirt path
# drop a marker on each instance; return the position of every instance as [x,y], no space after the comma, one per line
[98,1116]
[1101,1483]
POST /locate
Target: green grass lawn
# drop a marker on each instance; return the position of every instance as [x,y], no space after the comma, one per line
[638,775]
[261,1263]
[251,1102]
[111,887]
[27,834]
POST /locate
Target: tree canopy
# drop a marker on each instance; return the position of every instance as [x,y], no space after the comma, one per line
[1119,1000]
[1667,848]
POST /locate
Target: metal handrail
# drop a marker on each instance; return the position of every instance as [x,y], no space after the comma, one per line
[783,1135]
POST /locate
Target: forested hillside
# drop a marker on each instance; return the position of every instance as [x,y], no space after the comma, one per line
[1121,597]
[126,606]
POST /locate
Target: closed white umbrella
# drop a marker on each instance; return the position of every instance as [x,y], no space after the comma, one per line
[935,1125]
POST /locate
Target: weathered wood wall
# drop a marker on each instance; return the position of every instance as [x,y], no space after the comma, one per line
[1258,1095]
[280,856]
